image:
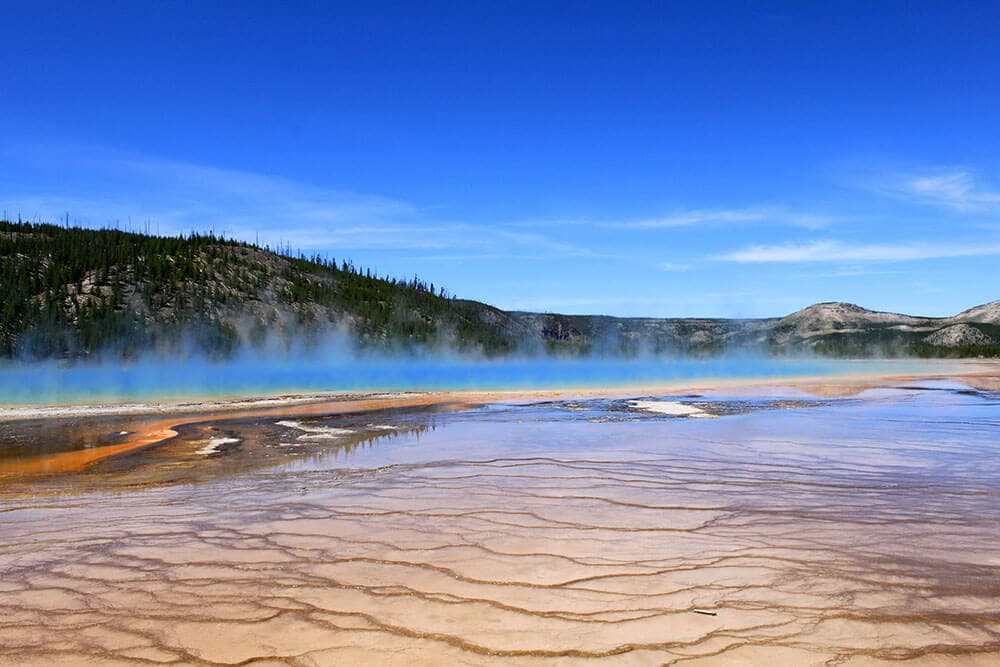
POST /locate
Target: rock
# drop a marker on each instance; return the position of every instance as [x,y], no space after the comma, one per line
[988,313]
[958,335]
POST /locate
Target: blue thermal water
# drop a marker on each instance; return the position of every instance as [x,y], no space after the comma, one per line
[152,379]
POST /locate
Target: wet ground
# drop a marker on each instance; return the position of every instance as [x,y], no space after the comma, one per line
[765,527]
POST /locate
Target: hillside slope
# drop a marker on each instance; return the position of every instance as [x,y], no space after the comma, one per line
[846,329]
[76,293]
[988,313]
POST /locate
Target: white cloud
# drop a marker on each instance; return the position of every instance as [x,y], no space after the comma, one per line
[724,217]
[954,188]
[674,266]
[550,305]
[730,216]
[736,303]
[837,251]
[102,187]
[851,272]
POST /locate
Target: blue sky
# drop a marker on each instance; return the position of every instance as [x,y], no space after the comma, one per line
[629,158]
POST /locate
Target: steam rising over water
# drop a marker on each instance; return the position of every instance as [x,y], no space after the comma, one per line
[257,375]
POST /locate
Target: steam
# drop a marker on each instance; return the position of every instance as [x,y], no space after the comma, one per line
[336,364]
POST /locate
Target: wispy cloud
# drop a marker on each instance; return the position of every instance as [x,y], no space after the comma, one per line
[954,188]
[586,302]
[839,251]
[536,240]
[730,216]
[100,187]
[695,217]
[735,303]
[675,266]
[850,272]
[107,188]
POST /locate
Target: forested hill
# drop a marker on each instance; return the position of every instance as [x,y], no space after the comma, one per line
[72,293]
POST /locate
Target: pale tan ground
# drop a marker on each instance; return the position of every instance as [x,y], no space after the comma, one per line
[834,535]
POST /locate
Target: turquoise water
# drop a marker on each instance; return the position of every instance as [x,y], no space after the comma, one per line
[52,383]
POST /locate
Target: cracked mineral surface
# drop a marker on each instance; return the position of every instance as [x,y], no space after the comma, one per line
[787,530]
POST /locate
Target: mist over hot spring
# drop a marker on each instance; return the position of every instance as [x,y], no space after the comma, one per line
[337,365]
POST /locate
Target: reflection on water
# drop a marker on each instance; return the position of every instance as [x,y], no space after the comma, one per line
[817,531]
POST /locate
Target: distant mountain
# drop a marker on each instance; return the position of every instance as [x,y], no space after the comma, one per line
[76,293]
[846,329]
[988,313]
[838,317]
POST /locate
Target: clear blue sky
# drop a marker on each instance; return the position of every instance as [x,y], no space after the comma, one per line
[631,158]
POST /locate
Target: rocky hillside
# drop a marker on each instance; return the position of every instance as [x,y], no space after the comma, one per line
[988,313]
[959,335]
[77,293]
[74,293]
[638,335]
[845,329]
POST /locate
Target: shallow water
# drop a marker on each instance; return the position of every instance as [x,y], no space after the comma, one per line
[782,529]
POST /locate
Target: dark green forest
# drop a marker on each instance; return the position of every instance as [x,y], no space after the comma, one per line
[72,293]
